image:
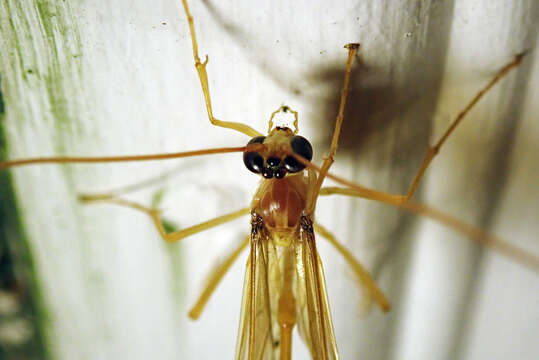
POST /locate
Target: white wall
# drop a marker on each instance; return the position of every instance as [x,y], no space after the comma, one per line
[117,77]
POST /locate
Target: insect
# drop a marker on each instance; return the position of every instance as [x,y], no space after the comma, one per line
[196,114]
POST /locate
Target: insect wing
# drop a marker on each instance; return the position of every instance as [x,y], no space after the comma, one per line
[314,316]
[258,334]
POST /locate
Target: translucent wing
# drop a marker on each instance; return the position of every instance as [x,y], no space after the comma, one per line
[314,316]
[258,335]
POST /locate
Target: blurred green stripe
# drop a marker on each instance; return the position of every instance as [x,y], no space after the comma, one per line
[22,314]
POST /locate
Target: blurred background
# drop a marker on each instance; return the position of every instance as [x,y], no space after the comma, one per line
[94,78]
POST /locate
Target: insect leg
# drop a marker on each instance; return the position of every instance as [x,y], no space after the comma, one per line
[432,151]
[362,274]
[328,160]
[125,158]
[481,236]
[155,216]
[215,278]
[203,76]
[389,198]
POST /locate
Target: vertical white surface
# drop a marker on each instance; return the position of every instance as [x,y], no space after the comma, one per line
[480,165]
[113,289]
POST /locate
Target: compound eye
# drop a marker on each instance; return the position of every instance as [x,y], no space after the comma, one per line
[257,140]
[302,147]
[253,160]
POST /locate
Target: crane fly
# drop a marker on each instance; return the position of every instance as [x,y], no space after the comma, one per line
[284,284]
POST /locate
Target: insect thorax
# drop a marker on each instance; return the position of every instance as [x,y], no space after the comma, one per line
[280,203]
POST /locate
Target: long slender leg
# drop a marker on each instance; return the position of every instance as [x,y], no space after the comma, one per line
[328,160]
[203,76]
[126,158]
[398,199]
[132,187]
[481,236]
[432,151]
[154,215]
[362,274]
[215,278]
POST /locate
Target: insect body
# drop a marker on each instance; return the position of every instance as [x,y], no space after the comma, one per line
[284,286]
[284,283]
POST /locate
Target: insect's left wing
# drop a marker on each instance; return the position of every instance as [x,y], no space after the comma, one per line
[258,335]
[314,316]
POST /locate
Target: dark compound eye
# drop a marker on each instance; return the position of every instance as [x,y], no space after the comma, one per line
[301,146]
[292,165]
[257,140]
[253,160]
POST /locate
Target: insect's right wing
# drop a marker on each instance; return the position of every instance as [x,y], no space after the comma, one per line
[314,316]
[258,335]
